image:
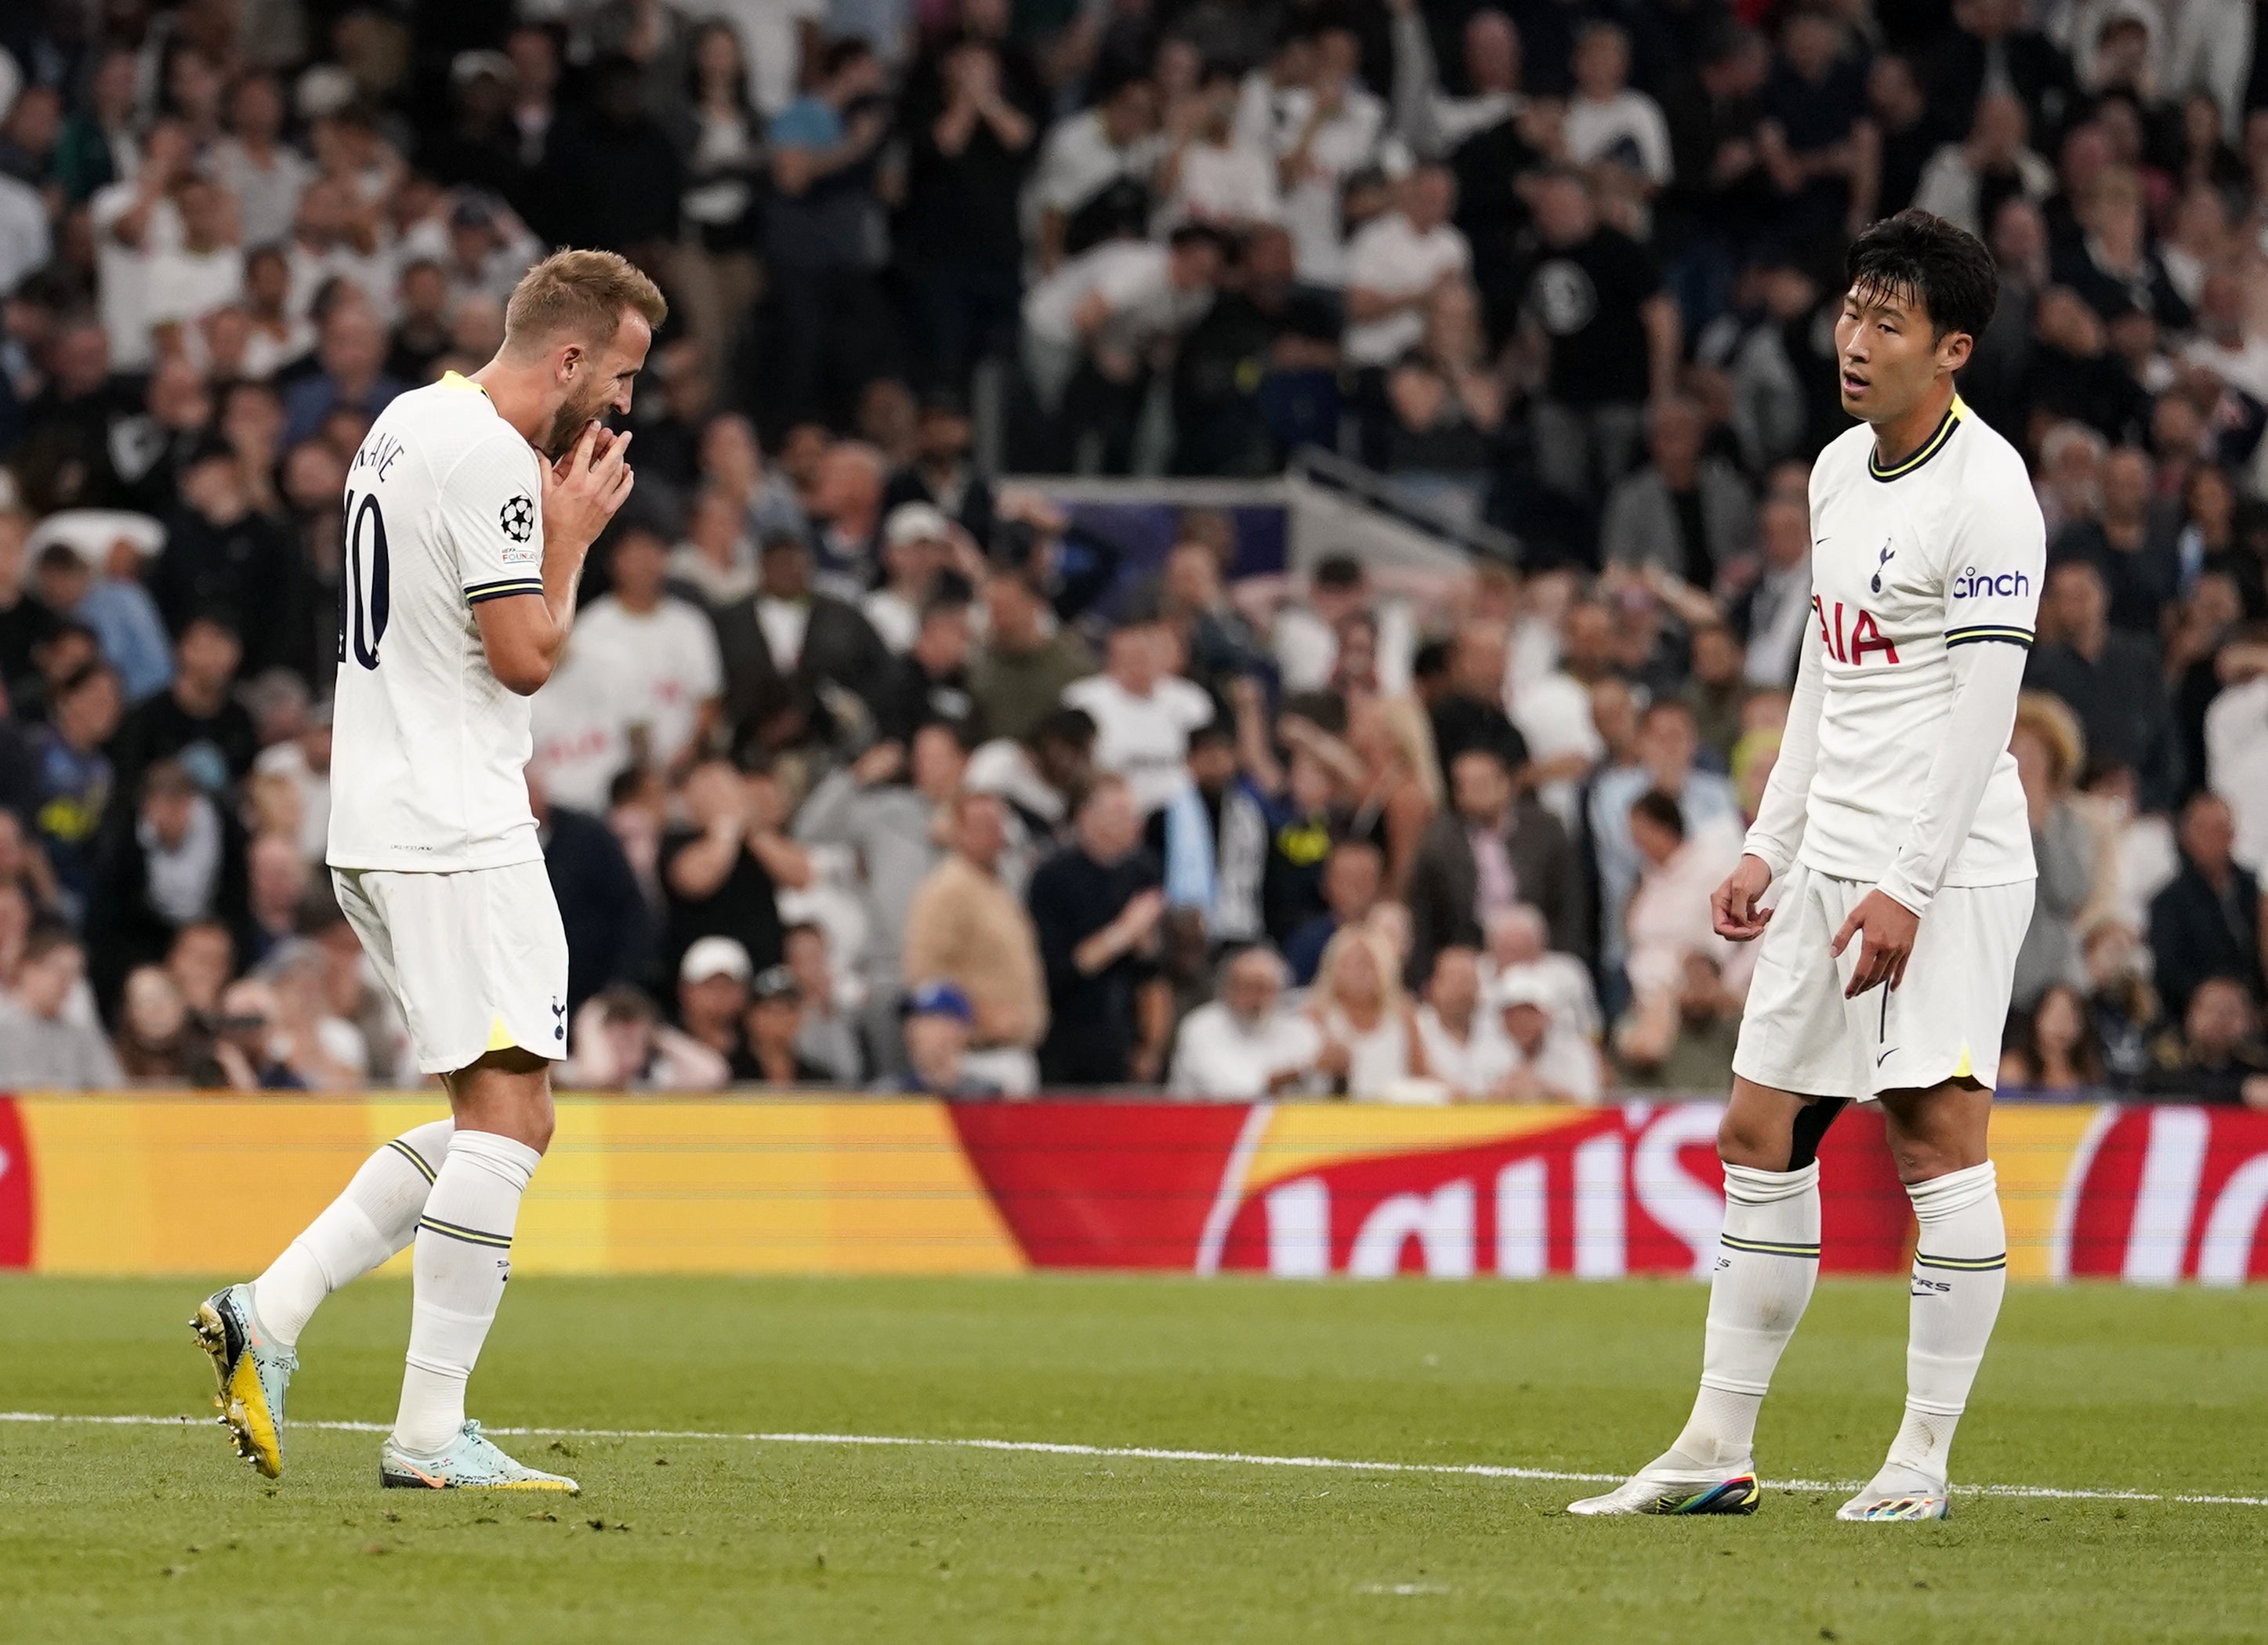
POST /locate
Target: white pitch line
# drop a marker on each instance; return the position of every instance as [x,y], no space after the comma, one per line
[1155,1453]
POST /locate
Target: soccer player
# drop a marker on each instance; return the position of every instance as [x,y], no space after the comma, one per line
[469,509]
[1896,829]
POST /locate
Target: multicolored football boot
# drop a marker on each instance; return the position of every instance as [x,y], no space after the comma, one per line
[471,1462]
[253,1374]
[1655,1489]
[1899,1494]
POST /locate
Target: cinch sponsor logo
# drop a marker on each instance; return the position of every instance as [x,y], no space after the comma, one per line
[1974,585]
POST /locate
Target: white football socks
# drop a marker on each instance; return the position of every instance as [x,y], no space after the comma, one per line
[1960,1274]
[462,1259]
[373,1219]
[1767,1261]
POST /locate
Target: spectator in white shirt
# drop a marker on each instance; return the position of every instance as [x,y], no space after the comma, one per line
[1142,716]
[203,273]
[1325,132]
[1550,1064]
[1519,942]
[1396,263]
[1244,1044]
[915,539]
[1668,912]
[656,653]
[2236,750]
[135,223]
[1608,125]
[1111,306]
[1465,1045]
[25,243]
[266,175]
[1210,176]
[1083,156]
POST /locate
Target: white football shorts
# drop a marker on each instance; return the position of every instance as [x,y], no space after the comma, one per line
[476,959]
[1799,1034]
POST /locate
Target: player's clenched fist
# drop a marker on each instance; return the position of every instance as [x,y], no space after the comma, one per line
[1733,908]
[582,491]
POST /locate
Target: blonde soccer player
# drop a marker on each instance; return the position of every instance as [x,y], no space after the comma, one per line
[469,509]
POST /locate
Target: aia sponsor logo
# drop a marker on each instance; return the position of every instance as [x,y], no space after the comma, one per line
[1850,644]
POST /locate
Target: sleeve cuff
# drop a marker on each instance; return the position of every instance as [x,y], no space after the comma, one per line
[1902,891]
[474,593]
[1772,856]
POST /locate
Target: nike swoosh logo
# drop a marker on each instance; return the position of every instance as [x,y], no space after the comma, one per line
[1878,1061]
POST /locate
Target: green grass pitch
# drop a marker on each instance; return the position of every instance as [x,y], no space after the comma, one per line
[158,1533]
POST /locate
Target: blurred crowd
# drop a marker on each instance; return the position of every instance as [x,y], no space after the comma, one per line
[865,769]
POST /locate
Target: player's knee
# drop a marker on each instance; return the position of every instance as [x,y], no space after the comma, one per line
[1745,1138]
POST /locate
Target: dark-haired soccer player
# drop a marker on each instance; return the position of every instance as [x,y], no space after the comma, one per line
[1895,828]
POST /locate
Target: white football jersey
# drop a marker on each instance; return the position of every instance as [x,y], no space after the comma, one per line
[444,510]
[1947,548]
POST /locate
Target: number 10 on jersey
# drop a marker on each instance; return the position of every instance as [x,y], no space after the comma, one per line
[363,582]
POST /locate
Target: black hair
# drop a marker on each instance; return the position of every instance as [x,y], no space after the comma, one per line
[1073,727]
[1945,268]
[1662,809]
[1431,661]
[1338,571]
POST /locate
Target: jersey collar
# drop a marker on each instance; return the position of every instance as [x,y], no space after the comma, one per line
[459,380]
[1930,447]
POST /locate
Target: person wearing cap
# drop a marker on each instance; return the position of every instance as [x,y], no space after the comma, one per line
[916,538]
[939,1019]
[713,984]
[773,1019]
[1550,1063]
[965,926]
[1245,1045]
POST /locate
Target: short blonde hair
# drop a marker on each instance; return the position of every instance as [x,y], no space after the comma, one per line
[581,292]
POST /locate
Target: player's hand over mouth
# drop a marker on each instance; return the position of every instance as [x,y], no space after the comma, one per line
[1732,910]
[582,491]
[1886,927]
